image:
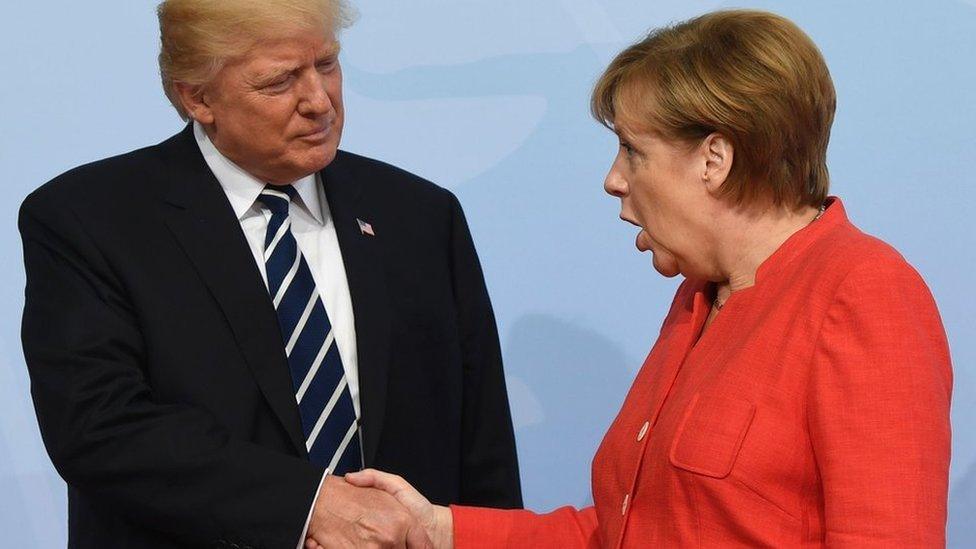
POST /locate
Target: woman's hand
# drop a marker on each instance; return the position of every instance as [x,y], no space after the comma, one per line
[436,520]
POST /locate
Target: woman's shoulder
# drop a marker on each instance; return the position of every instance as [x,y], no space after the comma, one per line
[857,266]
[846,251]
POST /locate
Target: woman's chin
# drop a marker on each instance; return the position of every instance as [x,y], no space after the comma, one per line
[665,264]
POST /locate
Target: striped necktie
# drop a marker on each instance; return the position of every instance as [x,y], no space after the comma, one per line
[324,401]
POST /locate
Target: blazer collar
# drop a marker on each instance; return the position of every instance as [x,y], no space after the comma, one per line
[347,191]
[203,221]
[834,215]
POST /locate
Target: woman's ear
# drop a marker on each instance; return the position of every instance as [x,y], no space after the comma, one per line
[718,152]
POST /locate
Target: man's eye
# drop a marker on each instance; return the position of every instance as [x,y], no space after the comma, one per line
[279,84]
[326,66]
[627,148]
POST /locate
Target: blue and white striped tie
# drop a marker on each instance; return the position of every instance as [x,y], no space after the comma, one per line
[328,417]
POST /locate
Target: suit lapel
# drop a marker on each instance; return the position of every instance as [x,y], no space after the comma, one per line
[349,201]
[202,220]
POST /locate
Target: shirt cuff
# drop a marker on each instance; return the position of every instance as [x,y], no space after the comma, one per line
[308,519]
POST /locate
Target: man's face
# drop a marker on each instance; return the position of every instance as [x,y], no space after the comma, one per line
[277,111]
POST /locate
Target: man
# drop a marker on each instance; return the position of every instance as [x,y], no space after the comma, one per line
[218,326]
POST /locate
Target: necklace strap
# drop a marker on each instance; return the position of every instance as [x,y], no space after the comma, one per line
[820,212]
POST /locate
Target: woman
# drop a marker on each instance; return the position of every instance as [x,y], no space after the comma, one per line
[799,391]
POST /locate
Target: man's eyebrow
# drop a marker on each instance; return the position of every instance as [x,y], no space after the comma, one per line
[331,50]
[270,73]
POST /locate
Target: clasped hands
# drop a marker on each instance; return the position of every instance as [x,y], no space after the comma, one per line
[376,510]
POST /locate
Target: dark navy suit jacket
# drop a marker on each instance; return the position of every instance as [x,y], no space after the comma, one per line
[158,371]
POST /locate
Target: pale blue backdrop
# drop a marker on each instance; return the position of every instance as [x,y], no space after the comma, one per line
[489,99]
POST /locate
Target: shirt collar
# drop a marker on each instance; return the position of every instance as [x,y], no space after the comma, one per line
[242,189]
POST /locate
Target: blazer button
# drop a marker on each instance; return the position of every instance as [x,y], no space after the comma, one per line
[643,431]
[623,508]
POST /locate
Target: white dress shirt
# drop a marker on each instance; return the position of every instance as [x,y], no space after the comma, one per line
[313,227]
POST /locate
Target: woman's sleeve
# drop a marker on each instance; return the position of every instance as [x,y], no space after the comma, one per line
[564,528]
[881,383]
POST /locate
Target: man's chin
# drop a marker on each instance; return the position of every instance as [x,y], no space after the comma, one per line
[324,160]
[316,161]
[288,173]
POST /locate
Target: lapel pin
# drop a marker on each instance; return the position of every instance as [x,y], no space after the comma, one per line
[365,228]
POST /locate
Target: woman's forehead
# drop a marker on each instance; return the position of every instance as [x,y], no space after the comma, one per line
[634,106]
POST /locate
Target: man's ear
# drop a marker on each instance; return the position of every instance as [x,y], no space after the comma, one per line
[194,102]
[718,153]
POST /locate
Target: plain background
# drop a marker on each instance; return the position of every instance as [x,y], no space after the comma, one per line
[489,99]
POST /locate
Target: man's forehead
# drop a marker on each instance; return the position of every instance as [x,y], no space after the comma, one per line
[291,50]
[320,42]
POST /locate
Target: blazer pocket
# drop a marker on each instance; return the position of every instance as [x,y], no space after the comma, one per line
[710,434]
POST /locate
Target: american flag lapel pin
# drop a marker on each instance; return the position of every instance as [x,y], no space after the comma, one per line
[365,228]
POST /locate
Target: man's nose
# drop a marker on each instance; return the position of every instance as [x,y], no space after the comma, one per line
[314,100]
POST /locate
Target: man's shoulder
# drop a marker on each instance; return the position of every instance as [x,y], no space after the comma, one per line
[387,178]
[116,178]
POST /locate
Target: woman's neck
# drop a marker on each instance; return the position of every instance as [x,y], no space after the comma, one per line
[747,239]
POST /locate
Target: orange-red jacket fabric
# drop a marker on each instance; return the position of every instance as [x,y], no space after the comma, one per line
[813,411]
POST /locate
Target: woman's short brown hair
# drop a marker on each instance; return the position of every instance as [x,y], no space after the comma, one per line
[751,76]
[199,36]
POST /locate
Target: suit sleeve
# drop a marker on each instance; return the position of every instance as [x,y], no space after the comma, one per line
[168,466]
[879,410]
[564,528]
[489,468]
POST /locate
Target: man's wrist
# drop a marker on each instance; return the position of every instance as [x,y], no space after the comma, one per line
[311,510]
[443,534]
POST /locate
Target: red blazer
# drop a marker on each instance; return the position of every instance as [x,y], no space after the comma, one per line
[813,411]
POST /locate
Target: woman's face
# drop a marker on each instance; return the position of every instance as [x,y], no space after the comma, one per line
[662,190]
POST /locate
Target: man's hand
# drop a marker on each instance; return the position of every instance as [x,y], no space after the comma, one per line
[436,520]
[349,516]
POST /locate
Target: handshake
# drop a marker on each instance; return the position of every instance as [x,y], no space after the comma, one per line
[376,509]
